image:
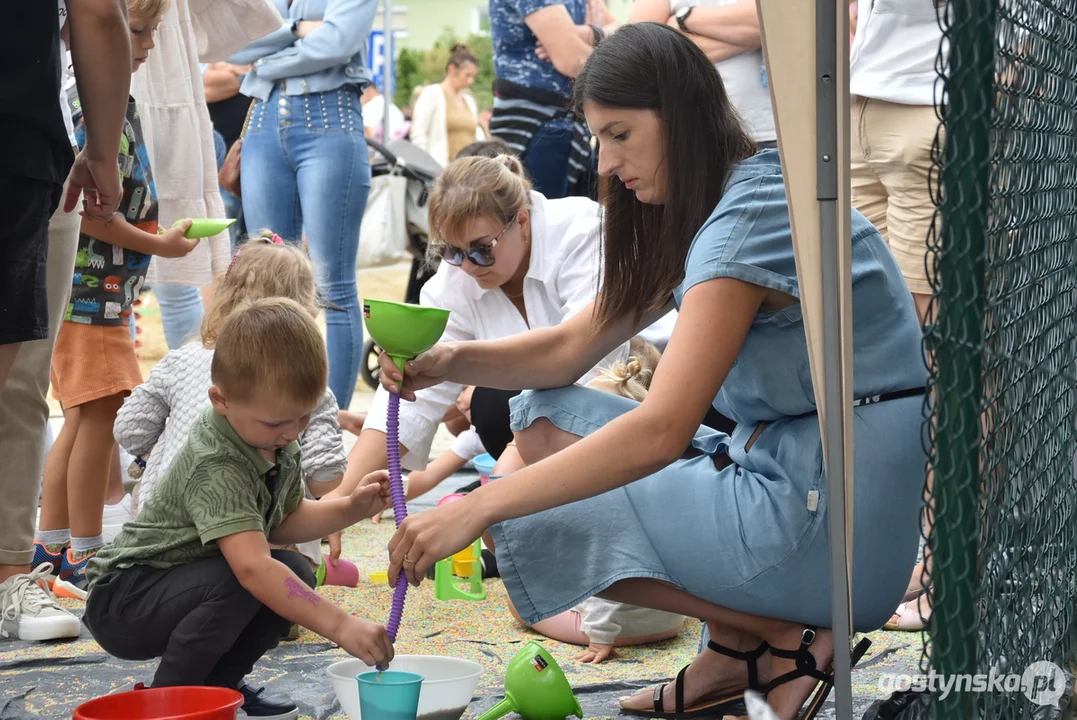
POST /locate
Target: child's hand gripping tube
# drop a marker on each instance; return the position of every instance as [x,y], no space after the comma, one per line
[403,331]
[400,507]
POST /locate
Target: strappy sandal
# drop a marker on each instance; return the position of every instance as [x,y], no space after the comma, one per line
[806,667]
[725,705]
[911,595]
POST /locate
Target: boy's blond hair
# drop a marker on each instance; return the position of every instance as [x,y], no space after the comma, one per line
[273,345]
[262,269]
[148,9]
[630,378]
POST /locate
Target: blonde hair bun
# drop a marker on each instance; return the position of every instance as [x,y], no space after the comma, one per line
[471,188]
[512,163]
[630,378]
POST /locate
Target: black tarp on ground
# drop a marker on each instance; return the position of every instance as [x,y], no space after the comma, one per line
[48,681]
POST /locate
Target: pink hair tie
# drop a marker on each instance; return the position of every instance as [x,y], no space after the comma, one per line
[276,240]
[234,258]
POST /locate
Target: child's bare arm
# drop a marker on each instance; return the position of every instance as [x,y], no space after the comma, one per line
[279,589]
[423,481]
[313,520]
[119,232]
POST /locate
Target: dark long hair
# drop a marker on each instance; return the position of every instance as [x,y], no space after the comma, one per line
[460,55]
[654,67]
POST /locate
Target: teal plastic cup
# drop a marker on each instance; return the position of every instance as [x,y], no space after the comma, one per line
[389,695]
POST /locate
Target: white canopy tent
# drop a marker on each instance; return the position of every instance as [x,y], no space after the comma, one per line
[806,45]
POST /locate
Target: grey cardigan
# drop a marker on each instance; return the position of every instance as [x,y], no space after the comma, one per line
[154,421]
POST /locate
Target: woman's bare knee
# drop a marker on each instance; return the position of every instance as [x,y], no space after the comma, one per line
[541,439]
[512,611]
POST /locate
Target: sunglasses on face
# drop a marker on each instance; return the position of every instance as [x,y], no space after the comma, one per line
[481,254]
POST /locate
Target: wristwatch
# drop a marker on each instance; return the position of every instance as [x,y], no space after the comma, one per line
[295,26]
[682,17]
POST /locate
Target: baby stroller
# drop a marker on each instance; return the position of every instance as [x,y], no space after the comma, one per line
[400,157]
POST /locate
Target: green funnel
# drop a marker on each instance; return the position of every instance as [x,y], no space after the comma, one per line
[403,330]
[206,227]
[535,688]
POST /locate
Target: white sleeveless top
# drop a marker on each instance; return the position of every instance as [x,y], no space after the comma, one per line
[745,81]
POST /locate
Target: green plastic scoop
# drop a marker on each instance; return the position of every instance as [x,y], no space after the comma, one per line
[403,330]
[535,688]
[206,227]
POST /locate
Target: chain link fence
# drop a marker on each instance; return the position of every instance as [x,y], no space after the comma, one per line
[1002,344]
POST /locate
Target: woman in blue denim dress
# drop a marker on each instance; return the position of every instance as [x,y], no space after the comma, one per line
[635,501]
[305,163]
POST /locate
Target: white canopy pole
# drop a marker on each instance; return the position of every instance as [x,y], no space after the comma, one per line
[388,71]
[807,55]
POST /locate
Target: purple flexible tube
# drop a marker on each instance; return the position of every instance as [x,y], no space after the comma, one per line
[400,507]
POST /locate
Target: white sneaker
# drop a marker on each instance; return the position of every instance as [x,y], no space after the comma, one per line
[27,612]
[114,517]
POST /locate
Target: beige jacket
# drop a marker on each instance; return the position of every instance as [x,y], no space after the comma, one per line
[429,131]
[179,134]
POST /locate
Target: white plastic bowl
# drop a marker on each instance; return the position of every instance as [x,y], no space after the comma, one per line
[448,684]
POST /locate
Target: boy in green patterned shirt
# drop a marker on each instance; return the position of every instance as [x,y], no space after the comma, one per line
[192,579]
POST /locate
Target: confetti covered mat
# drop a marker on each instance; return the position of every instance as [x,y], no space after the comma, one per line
[48,680]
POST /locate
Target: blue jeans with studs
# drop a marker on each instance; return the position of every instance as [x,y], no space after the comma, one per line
[306,169]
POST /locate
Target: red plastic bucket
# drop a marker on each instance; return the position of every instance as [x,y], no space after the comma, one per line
[171,703]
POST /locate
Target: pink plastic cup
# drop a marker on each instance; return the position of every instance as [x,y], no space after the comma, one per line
[344,573]
[450,499]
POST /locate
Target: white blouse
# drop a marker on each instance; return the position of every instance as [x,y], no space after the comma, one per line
[895,52]
[562,279]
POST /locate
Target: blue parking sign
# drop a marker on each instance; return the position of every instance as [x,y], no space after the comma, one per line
[379,58]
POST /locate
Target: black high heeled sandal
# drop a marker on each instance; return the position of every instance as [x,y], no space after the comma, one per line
[730,704]
[807,667]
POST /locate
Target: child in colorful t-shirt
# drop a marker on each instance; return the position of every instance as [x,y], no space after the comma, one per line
[94,366]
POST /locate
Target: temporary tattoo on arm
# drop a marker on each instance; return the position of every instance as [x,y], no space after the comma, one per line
[297,589]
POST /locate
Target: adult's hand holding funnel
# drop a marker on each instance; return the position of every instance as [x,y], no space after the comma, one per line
[535,688]
[403,331]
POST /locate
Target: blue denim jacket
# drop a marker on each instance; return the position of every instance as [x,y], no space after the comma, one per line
[330,57]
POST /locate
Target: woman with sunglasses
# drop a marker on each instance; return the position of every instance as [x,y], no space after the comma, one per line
[635,502]
[511,260]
